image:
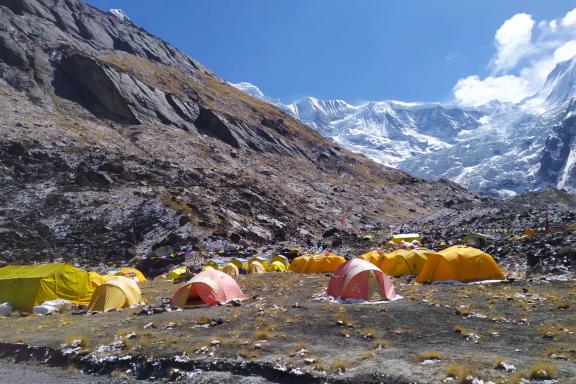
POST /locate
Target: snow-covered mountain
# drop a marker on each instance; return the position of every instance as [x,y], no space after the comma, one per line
[497,148]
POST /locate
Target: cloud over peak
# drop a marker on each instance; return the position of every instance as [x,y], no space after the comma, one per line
[526,52]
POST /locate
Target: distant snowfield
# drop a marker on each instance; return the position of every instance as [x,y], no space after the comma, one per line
[496,148]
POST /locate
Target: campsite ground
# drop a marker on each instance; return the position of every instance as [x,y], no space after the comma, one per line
[434,332]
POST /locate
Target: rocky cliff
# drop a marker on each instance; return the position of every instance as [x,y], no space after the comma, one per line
[114,143]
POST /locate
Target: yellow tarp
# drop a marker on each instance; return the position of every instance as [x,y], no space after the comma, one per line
[117,293]
[25,286]
[460,263]
[404,262]
[316,263]
[176,273]
[407,237]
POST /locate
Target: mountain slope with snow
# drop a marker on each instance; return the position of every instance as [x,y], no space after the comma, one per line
[497,148]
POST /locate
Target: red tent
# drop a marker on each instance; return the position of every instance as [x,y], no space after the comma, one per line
[360,279]
[210,287]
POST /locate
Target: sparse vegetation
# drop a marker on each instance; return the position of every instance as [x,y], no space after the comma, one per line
[430,356]
[543,370]
[339,366]
[459,371]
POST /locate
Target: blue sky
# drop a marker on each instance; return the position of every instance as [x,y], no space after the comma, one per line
[412,50]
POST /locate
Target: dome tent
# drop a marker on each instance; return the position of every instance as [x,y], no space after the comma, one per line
[116,293]
[460,263]
[277,266]
[210,287]
[240,263]
[283,259]
[230,269]
[404,262]
[360,279]
[316,263]
[258,259]
[256,267]
[372,256]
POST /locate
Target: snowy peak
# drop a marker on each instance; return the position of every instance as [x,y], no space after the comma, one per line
[498,148]
[249,89]
[560,85]
[119,13]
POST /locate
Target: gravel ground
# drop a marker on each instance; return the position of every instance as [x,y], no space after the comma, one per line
[13,373]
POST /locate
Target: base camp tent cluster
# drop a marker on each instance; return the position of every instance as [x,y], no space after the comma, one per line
[456,263]
[365,277]
[256,264]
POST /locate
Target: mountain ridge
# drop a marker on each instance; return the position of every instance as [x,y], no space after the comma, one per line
[429,139]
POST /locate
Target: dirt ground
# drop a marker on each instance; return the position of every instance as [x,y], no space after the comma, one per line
[434,332]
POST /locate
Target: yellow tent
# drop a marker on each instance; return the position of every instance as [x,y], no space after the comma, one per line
[404,262]
[239,263]
[230,269]
[25,286]
[131,273]
[97,279]
[373,257]
[258,259]
[407,237]
[256,267]
[277,266]
[208,267]
[460,263]
[177,273]
[316,263]
[283,259]
[117,293]
[216,264]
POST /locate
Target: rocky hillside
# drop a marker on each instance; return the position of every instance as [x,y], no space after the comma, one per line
[114,143]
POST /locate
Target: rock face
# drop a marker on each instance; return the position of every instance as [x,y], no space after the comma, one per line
[113,143]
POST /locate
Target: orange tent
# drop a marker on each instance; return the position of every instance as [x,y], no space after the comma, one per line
[373,257]
[210,287]
[360,279]
[460,263]
[404,262]
[316,263]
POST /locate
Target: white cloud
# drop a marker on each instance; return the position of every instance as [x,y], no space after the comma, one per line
[565,52]
[524,57]
[513,41]
[570,18]
[475,91]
